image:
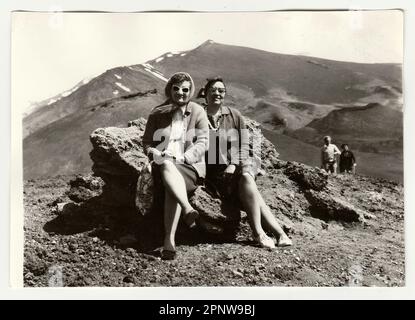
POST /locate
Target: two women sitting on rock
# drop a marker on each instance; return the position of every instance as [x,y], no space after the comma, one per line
[177,139]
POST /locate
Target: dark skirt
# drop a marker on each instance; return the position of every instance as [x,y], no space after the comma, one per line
[218,186]
[189,174]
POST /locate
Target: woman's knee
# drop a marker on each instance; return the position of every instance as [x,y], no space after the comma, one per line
[247,187]
[167,165]
[246,180]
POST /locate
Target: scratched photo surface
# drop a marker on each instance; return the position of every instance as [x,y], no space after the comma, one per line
[315,99]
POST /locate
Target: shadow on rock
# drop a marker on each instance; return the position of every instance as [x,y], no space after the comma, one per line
[119,226]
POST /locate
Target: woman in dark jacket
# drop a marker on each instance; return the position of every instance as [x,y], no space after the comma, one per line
[176,138]
[229,167]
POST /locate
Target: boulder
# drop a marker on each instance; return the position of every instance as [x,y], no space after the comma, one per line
[328,207]
[292,190]
[264,151]
[215,216]
[305,176]
[83,188]
[118,159]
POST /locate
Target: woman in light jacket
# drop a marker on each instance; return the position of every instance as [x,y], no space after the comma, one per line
[176,138]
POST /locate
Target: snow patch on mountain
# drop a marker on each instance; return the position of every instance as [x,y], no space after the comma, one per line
[147,65]
[66,93]
[123,87]
[156,74]
[52,101]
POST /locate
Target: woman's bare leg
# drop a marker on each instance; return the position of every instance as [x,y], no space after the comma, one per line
[172,213]
[265,213]
[174,183]
[250,202]
[272,224]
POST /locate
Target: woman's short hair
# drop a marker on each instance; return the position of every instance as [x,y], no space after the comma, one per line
[208,85]
[176,78]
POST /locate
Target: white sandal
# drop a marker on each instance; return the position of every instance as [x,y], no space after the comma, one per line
[284,241]
[264,241]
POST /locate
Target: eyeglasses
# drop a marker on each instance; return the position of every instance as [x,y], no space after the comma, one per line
[220,90]
[185,90]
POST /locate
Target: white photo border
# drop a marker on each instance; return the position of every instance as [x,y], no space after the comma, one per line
[11,201]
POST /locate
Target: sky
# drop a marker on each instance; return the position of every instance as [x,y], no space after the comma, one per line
[52,52]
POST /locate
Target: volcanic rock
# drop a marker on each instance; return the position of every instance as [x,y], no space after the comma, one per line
[297,189]
[83,188]
[330,207]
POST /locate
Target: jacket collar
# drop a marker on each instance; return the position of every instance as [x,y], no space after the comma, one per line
[224,109]
[169,108]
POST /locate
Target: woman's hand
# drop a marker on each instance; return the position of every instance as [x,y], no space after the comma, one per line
[154,152]
[157,155]
[230,169]
[228,173]
[167,154]
[227,177]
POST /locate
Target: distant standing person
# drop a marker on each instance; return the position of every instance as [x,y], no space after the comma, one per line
[347,161]
[329,152]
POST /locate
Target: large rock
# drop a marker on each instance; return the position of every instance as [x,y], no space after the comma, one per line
[118,159]
[328,207]
[215,216]
[306,177]
[263,149]
[292,190]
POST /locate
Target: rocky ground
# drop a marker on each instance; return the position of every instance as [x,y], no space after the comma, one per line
[92,244]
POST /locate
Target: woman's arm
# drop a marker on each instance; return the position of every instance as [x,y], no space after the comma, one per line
[245,157]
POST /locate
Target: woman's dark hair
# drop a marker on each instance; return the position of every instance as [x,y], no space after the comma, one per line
[208,85]
[176,78]
[343,145]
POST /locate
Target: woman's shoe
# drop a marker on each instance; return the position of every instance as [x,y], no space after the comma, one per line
[284,241]
[168,254]
[190,218]
[264,241]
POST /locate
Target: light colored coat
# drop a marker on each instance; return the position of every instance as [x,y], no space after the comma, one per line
[196,140]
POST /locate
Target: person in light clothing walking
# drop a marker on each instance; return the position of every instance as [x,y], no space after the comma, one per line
[329,153]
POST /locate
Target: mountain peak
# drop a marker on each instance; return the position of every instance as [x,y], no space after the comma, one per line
[206,43]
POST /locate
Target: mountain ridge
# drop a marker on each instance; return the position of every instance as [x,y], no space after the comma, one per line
[286,93]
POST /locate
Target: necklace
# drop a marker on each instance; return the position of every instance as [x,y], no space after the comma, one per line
[215,120]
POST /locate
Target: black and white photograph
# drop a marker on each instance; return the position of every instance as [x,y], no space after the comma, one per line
[214,149]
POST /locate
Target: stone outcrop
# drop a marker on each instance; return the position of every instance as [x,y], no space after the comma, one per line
[306,177]
[331,207]
[118,159]
[263,149]
[83,188]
